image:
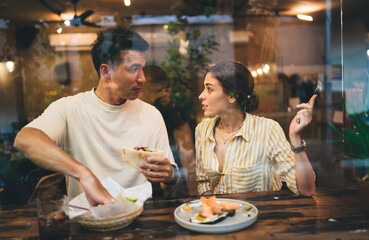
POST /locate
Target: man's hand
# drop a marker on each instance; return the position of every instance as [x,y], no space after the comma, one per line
[158,169]
[95,192]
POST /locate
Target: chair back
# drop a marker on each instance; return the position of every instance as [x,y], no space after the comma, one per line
[46,187]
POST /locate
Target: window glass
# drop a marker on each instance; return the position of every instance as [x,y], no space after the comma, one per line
[289,46]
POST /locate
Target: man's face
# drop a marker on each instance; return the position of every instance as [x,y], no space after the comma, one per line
[128,77]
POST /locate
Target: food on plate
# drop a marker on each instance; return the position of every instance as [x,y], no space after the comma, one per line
[247,207]
[213,212]
[134,156]
[186,207]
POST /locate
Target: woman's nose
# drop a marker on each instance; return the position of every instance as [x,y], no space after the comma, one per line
[201,96]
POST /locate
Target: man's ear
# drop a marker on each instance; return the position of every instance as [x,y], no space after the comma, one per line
[105,71]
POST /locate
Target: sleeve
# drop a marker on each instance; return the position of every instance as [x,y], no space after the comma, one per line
[52,121]
[162,141]
[202,178]
[283,157]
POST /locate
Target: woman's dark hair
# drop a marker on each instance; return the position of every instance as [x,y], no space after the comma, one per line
[110,42]
[237,82]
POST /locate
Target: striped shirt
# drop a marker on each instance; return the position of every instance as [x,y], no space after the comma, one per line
[257,158]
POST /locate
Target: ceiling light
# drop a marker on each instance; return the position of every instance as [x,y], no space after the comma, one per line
[127,2]
[10,66]
[254,73]
[266,68]
[259,71]
[67,23]
[305,17]
[60,30]
[67,16]
[367,52]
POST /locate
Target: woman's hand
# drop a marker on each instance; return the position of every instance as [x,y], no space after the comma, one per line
[302,118]
[157,169]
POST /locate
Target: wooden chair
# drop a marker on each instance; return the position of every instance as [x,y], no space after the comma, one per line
[47,186]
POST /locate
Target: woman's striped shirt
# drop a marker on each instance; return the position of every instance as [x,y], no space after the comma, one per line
[257,158]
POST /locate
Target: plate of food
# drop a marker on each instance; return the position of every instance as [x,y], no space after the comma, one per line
[134,156]
[216,215]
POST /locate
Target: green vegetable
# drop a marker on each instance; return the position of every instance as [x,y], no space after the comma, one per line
[132,199]
[247,207]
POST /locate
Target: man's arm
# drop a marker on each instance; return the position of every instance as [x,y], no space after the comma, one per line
[45,153]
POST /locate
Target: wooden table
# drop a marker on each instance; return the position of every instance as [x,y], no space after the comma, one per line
[332,213]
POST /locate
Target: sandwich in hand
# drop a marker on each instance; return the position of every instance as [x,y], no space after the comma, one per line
[134,156]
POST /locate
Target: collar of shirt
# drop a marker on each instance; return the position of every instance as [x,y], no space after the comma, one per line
[244,132]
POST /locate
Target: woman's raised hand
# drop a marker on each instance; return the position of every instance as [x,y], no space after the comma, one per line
[303,117]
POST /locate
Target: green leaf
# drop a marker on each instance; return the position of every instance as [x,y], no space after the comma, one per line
[355,143]
[363,129]
[339,145]
[335,129]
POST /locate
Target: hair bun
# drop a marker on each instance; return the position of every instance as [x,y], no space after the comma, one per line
[252,102]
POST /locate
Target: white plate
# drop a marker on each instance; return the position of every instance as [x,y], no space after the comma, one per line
[240,220]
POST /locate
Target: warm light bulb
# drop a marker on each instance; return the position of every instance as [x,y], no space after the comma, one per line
[254,73]
[60,30]
[367,52]
[266,68]
[127,2]
[259,71]
[165,26]
[67,23]
[305,17]
[10,66]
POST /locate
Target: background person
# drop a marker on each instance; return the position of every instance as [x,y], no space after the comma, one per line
[181,139]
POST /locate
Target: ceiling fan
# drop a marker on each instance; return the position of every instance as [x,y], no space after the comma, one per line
[80,20]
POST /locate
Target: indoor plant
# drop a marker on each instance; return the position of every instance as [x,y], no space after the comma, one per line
[354,142]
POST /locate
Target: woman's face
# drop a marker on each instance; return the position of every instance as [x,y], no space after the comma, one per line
[213,99]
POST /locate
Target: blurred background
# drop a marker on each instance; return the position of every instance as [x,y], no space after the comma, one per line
[288,45]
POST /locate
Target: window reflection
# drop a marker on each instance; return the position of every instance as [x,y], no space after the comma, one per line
[289,46]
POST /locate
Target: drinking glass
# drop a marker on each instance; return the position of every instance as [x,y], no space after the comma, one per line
[53,217]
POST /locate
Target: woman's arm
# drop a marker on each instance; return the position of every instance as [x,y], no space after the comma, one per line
[304,172]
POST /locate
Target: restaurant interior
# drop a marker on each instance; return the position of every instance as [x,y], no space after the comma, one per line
[289,46]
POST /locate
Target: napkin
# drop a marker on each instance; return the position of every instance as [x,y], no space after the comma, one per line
[142,192]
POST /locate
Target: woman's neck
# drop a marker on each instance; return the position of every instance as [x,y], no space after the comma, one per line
[230,122]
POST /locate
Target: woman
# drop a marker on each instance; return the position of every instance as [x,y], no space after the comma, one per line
[239,152]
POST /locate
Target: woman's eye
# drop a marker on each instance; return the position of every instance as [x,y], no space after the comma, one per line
[208,89]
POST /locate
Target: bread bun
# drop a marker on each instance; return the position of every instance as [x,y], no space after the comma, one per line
[133,157]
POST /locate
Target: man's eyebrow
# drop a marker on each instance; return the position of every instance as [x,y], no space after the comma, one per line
[136,65]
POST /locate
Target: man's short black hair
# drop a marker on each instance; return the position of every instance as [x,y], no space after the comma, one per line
[110,42]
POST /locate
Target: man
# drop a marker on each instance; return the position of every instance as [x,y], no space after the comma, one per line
[82,136]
